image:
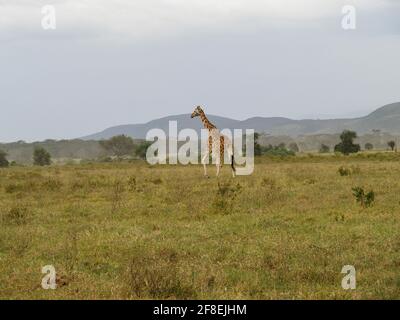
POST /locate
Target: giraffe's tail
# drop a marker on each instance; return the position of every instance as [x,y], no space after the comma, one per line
[233,163]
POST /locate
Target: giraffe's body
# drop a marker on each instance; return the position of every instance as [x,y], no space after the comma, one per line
[217,143]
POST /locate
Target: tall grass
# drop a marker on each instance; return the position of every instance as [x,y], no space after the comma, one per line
[132,231]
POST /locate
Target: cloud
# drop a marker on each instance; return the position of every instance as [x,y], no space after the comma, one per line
[147,19]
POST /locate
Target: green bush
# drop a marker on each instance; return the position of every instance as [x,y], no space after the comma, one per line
[346,146]
[368,146]
[324,148]
[365,199]
[141,149]
[41,157]
[279,150]
[3,160]
[119,146]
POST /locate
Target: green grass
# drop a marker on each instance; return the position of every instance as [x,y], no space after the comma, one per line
[131,231]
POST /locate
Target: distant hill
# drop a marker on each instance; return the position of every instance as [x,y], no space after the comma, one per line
[386,119]
[377,128]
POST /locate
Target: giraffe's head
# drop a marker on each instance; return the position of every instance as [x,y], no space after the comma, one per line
[197,112]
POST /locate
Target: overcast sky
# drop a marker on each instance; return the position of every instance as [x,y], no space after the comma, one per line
[131,61]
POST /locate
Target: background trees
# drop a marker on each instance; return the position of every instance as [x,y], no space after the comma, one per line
[294,147]
[391,144]
[119,146]
[346,146]
[141,149]
[3,159]
[257,146]
[324,148]
[41,157]
[368,146]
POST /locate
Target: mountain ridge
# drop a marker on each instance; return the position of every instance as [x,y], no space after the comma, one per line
[385,119]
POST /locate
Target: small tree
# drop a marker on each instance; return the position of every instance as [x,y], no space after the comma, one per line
[347,146]
[368,146]
[324,148]
[365,199]
[294,147]
[141,149]
[119,146]
[41,157]
[3,159]
[257,146]
[391,144]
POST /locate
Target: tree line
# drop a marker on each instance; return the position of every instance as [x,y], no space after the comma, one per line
[117,146]
[346,146]
[122,145]
[41,157]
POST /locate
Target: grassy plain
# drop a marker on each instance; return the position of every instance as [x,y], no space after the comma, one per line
[132,231]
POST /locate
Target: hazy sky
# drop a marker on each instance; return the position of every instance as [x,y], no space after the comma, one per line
[130,61]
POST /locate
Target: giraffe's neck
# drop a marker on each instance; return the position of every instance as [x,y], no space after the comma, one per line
[206,123]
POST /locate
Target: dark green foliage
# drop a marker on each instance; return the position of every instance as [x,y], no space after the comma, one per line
[368,146]
[141,149]
[347,146]
[279,150]
[391,144]
[257,146]
[3,160]
[119,146]
[324,148]
[41,157]
[365,199]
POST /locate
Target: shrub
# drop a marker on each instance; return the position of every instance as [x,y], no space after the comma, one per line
[348,171]
[257,146]
[279,150]
[365,199]
[119,146]
[3,160]
[346,146]
[324,148]
[41,157]
[141,149]
[294,147]
[132,184]
[391,144]
[368,146]
[16,215]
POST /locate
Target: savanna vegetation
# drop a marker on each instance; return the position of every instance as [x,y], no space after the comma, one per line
[127,230]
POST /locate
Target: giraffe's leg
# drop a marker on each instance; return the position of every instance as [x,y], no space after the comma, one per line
[218,164]
[230,153]
[203,161]
[220,159]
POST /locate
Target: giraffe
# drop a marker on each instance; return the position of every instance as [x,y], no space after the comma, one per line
[217,143]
